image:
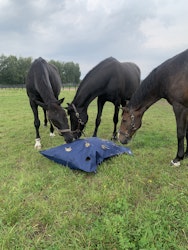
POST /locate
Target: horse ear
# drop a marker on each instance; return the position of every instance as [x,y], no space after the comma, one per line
[127,102]
[41,104]
[126,109]
[69,107]
[59,102]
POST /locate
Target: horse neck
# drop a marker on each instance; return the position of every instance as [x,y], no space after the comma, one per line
[86,93]
[94,83]
[146,95]
[48,97]
[47,93]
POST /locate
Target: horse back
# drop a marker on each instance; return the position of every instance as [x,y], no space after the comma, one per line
[43,81]
[110,80]
[130,78]
[171,77]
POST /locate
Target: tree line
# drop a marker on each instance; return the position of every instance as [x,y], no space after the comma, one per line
[13,70]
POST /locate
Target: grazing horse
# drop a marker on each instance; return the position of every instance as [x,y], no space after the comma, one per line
[110,81]
[43,85]
[170,81]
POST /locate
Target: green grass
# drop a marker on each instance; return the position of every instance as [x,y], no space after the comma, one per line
[132,202]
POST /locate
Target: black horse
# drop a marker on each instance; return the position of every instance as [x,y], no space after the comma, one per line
[110,81]
[43,85]
[170,81]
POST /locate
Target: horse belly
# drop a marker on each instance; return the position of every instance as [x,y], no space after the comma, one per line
[177,93]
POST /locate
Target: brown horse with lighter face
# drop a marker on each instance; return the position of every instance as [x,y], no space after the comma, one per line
[170,81]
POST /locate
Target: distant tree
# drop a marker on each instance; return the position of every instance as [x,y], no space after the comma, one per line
[23,65]
[13,70]
[72,72]
[59,66]
[8,69]
[77,73]
[69,71]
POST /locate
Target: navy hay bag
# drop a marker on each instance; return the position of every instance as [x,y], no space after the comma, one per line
[84,154]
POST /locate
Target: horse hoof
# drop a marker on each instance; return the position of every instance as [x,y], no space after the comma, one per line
[37,144]
[52,134]
[186,155]
[175,164]
[113,138]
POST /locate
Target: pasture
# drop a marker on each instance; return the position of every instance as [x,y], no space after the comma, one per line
[132,202]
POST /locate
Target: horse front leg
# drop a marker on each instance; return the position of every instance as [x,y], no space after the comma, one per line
[34,108]
[115,120]
[181,132]
[186,152]
[51,130]
[45,124]
[100,105]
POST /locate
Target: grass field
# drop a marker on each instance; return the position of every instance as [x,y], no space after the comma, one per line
[133,202]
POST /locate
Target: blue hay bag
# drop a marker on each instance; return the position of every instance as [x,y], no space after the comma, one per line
[84,154]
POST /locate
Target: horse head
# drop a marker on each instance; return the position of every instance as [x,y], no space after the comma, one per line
[78,120]
[58,117]
[130,123]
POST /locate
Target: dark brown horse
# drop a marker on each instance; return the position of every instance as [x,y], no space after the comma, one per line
[43,86]
[110,81]
[170,81]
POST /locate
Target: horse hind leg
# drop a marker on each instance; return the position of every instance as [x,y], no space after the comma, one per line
[180,153]
[181,131]
[45,118]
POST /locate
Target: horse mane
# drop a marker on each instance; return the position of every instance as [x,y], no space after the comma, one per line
[99,65]
[90,87]
[152,87]
[93,71]
[147,87]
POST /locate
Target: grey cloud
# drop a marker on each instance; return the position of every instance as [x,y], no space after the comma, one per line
[87,31]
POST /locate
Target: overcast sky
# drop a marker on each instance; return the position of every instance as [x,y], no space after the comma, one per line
[86,32]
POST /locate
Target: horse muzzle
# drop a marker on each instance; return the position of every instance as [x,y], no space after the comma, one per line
[123,138]
[66,133]
[77,134]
